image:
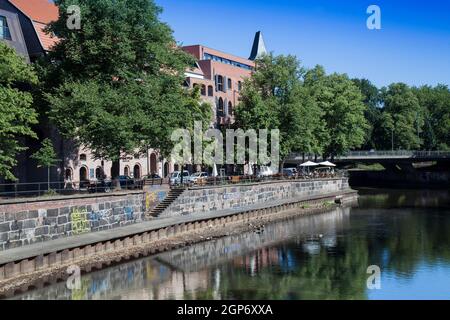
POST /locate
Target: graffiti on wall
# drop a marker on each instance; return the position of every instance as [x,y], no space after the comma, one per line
[80,222]
[129,213]
[152,199]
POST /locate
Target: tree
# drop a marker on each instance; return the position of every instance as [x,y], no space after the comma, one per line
[407,116]
[435,103]
[343,110]
[16,113]
[121,79]
[46,157]
[274,98]
[371,98]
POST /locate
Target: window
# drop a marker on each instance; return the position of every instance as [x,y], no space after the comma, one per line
[210,91]
[220,109]
[219,83]
[203,90]
[230,84]
[4,29]
[83,157]
[230,108]
[239,86]
[208,56]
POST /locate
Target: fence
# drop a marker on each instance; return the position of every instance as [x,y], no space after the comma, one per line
[37,189]
[246,179]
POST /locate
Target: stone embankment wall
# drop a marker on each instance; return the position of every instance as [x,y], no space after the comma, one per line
[198,200]
[26,222]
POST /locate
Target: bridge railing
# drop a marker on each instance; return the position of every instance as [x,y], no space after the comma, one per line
[396,154]
[377,154]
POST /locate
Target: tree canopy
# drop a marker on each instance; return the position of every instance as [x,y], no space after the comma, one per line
[17,115]
[315,113]
[274,98]
[120,78]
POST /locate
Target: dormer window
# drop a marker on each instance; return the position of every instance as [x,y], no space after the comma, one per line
[4,29]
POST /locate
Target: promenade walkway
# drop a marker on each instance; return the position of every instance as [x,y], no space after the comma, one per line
[43,248]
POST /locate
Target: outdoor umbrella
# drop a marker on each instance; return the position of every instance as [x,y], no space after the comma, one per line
[214,173]
[250,169]
[327,164]
[309,164]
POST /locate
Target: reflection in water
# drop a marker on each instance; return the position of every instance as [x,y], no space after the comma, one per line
[316,257]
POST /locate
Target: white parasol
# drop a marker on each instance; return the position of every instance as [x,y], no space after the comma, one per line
[327,164]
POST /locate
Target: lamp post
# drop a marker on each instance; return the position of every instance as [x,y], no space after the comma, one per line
[392,130]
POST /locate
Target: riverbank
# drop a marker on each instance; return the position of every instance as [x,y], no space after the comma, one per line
[113,246]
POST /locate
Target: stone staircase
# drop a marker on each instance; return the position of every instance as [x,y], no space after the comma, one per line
[171,197]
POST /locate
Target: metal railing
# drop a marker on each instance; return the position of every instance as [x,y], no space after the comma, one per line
[246,179]
[396,154]
[54,188]
[378,154]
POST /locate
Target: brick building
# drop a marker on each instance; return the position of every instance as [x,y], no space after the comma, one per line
[220,76]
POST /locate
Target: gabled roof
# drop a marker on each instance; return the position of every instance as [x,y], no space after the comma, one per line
[41,13]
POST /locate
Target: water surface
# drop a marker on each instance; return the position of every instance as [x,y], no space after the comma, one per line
[326,256]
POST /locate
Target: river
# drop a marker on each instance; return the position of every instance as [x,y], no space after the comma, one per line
[405,233]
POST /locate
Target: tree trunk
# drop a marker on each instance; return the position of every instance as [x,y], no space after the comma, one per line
[115,173]
[48,178]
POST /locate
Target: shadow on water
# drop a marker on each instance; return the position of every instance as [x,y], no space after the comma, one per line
[406,233]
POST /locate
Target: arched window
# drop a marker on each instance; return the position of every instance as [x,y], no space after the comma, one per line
[210,91]
[166,170]
[230,108]
[203,90]
[219,83]
[137,172]
[83,157]
[68,174]
[153,162]
[220,110]
[126,171]
[230,84]
[83,174]
[99,173]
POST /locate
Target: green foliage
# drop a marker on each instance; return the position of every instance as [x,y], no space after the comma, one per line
[404,115]
[435,102]
[275,98]
[343,110]
[16,113]
[121,79]
[46,155]
[372,100]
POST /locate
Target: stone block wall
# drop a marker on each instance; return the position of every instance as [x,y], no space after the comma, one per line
[240,196]
[27,222]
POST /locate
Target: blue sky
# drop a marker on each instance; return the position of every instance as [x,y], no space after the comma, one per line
[413,45]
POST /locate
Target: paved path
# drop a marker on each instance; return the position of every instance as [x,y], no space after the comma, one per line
[42,248]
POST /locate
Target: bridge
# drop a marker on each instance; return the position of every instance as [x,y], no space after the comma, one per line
[385,158]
